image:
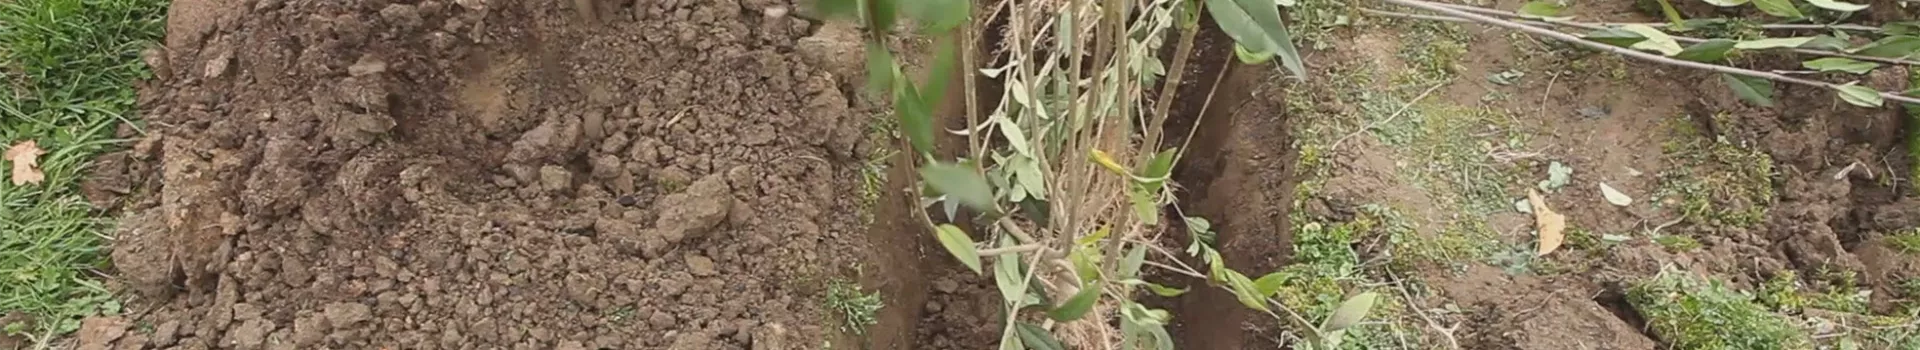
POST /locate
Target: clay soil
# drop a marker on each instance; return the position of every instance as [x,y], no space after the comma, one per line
[682,174]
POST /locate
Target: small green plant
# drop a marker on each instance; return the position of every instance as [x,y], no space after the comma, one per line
[1691,314]
[1906,241]
[856,309]
[1677,243]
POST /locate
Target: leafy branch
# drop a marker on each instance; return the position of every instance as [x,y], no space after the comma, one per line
[1645,42]
[1065,178]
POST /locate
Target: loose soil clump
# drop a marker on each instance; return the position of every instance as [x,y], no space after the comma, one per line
[488,174]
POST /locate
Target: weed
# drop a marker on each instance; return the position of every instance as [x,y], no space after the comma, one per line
[1688,313]
[1718,183]
[70,66]
[1905,240]
[857,309]
[1677,243]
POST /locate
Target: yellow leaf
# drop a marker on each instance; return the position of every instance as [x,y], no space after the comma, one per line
[1107,161]
[1552,226]
[26,162]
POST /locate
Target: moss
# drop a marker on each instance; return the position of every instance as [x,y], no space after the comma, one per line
[1691,314]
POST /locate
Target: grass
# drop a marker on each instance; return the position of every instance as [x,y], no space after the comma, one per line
[1717,183]
[68,67]
[1907,241]
[1689,313]
[856,309]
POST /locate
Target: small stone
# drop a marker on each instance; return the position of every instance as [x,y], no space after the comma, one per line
[367,65]
[626,200]
[946,285]
[691,214]
[97,333]
[934,306]
[251,334]
[347,314]
[474,5]
[402,15]
[661,320]
[771,336]
[554,178]
[571,345]
[701,266]
[217,66]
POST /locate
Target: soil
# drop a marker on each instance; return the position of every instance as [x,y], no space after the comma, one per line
[614,174]
[490,174]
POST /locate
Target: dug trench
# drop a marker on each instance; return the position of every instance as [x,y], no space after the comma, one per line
[1236,171]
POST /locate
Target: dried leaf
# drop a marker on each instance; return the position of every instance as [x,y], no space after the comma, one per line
[1552,226]
[26,162]
[1614,196]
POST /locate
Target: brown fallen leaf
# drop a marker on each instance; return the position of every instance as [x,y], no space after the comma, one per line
[1552,226]
[25,157]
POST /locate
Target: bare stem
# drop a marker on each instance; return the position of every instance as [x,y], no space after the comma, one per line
[1164,105]
[1011,249]
[1690,40]
[1529,29]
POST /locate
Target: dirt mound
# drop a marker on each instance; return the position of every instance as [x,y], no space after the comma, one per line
[488,174]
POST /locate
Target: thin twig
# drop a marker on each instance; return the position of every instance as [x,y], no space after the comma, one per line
[1852,27]
[1690,40]
[1164,106]
[1448,10]
[1011,249]
[1396,114]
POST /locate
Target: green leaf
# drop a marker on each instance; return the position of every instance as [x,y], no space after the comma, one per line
[1826,42]
[959,183]
[1007,274]
[1772,43]
[883,13]
[1269,284]
[1542,9]
[946,62]
[1077,307]
[1656,41]
[937,16]
[1616,37]
[1707,51]
[1144,205]
[1726,3]
[1244,289]
[1130,266]
[1900,28]
[1893,46]
[879,68]
[1156,288]
[1256,25]
[1837,5]
[958,244]
[1778,8]
[1161,165]
[1250,57]
[1757,91]
[1037,338]
[916,117]
[1016,137]
[1840,64]
[1350,312]
[1860,95]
